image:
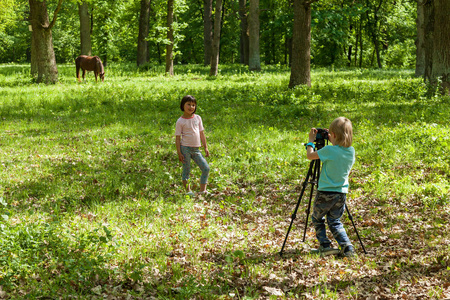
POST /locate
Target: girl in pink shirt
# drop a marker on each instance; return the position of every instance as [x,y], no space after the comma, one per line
[189,137]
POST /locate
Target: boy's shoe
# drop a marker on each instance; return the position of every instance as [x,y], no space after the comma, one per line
[325,251]
[205,193]
[347,251]
[190,194]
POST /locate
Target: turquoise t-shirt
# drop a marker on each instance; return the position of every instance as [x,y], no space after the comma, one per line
[337,161]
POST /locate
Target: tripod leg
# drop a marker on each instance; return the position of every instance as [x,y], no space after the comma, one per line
[314,180]
[308,211]
[351,219]
[294,215]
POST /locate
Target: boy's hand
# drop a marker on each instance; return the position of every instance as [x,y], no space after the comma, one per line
[206,152]
[181,158]
[312,135]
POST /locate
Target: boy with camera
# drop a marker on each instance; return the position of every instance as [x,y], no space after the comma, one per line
[337,161]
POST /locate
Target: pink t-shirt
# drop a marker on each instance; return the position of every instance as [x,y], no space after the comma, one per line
[189,130]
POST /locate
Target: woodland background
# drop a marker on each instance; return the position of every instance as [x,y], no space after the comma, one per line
[343,32]
[91,203]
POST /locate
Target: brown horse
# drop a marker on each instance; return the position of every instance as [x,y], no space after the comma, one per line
[90,63]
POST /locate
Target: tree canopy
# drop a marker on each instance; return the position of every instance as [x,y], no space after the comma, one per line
[344,33]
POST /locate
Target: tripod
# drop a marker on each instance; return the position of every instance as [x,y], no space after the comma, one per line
[314,173]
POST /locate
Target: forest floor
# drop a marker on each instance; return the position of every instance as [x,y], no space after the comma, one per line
[92,205]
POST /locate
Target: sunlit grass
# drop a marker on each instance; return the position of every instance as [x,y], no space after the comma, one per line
[92,196]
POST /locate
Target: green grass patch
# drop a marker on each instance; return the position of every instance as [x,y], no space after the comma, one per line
[92,203]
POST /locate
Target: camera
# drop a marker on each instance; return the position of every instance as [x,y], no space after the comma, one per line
[322,134]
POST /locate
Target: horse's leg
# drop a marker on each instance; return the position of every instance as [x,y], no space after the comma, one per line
[78,73]
[96,74]
[84,74]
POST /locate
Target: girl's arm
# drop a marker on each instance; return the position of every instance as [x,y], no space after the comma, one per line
[203,139]
[178,143]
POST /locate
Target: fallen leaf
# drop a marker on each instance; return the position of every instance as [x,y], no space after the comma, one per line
[274,291]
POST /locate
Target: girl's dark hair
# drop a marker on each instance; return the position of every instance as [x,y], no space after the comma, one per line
[188,98]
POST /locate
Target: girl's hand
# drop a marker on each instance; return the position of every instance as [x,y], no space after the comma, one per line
[206,152]
[181,158]
[312,135]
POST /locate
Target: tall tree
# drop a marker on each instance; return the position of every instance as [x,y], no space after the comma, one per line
[142,46]
[244,40]
[254,61]
[428,10]
[216,40]
[207,31]
[440,66]
[85,28]
[42,53]
[301,44]
[373,25]
[359,40]
[420,47]
[169,46]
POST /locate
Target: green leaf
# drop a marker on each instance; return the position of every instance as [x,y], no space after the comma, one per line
[239,253]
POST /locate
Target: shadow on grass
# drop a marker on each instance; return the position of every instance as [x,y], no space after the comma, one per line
[73,122]
[299,279]
[70,181]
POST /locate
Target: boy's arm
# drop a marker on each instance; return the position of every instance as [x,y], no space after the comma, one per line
[178,143]
[203,139]
[310,153]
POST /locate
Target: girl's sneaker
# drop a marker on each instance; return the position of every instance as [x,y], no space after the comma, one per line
[190,194]
[205,193]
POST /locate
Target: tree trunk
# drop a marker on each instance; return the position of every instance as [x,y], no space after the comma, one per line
[169,47]
[207,31]
[254,62]
[420,47]
[42,54]
[358,32]
[216,41]
[142,46]
[375,33]
[377,50]
[440,71]
[361,45]
[244,41]
[428,38]
[289,39]
[105,49]
[349,55]
[85,29]
[301,45]
[350,47]
[34,62]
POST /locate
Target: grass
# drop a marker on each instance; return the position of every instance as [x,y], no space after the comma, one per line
[92,203]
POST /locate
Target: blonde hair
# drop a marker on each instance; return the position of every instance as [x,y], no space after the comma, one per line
[343,129]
